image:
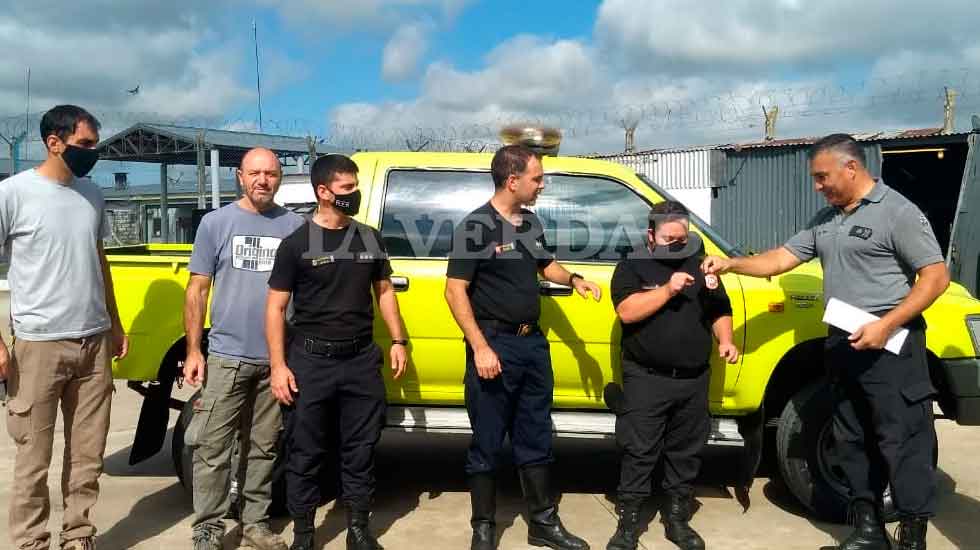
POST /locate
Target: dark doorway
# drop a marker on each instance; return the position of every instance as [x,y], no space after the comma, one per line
[930,176]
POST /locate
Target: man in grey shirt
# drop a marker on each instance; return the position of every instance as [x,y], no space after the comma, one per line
[878,253]
[66,330]
[234,251]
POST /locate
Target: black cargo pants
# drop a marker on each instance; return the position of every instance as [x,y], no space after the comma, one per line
[350,392]
[883,422]
[665,417]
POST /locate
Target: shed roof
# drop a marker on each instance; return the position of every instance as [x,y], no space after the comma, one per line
[169,144]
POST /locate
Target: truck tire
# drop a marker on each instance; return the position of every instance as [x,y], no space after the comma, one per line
[803,450]
[180,453]
[803,445]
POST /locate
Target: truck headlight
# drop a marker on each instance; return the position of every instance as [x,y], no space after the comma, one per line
[973,323]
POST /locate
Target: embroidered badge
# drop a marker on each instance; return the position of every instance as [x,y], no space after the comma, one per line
[322,260]
[860,232]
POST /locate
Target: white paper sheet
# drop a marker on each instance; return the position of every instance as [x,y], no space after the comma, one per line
[849,318]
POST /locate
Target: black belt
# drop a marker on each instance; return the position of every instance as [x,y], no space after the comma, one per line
[673,372]
[521,329]
[335,348]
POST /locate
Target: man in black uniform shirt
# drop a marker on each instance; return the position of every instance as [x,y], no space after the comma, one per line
[329,267]
[668,313]
[492,289]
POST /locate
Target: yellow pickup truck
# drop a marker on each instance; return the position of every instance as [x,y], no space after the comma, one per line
[775,395]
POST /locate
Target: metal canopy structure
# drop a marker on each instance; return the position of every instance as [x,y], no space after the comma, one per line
[166,144]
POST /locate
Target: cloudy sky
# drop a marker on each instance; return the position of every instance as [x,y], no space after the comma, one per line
[384,72]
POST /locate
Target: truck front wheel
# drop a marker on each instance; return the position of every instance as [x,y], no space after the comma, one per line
[804,445]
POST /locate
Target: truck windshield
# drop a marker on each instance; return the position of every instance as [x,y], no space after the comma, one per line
[708,231]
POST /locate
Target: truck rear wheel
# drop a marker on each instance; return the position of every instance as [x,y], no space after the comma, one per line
[183,460]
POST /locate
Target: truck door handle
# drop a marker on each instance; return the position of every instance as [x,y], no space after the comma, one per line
[400,283]
[548,288]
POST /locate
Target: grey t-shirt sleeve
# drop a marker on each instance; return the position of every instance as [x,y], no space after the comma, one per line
[803,245]
[913,239]
[204,254]
[6,210]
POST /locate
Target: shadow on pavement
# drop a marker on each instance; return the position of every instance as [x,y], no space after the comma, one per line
[779,495]
[150,516]
[159,465]
[958,515]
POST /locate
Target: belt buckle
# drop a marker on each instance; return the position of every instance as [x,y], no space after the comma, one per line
[524,329]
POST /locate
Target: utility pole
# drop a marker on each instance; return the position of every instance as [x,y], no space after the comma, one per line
[258,81]
[949,110]
[771,116]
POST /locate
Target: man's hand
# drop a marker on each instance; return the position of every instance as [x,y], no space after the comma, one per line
[399,358]
[715,265]
[873,335]
[584,288]
[195,368]
[120,342]
[728,352]
[679,281]
[487,362]
[4,361]
[283,384]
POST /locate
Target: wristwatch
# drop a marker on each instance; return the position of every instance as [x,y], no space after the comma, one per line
[571,278]
[403,342]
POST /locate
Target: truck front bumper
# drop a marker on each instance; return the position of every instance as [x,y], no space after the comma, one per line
[963,382]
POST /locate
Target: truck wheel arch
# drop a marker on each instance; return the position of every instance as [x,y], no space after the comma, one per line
[151,430]
[799,366]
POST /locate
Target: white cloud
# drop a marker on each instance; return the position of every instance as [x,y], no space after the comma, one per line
[404,51]
[83,64]
[680,36]
[699,74]
[347,15]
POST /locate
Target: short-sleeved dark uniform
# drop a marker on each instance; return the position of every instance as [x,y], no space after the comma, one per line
[501,262]
[333,356]
[665,376]
[883,421]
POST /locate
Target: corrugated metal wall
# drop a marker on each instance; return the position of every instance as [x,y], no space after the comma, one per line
[673,169]
[766,195]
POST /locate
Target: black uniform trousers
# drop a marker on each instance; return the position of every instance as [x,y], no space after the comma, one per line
[883,422]
[350,392]
[664,417]
[516,403]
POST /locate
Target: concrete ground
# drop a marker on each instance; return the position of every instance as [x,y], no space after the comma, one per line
[422,500]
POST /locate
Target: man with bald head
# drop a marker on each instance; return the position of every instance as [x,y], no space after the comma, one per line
[234,251]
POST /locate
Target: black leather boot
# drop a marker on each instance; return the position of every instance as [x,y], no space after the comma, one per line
[912,533]
[676,515]
[544,527]
[358,535]
[627,534]
[303,531]
[869,529]
[483,495]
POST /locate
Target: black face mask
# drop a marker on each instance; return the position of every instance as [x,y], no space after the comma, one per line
[349,204]
[80,160]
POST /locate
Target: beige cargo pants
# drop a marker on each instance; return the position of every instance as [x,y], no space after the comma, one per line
[77,374]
